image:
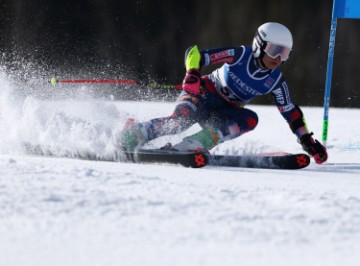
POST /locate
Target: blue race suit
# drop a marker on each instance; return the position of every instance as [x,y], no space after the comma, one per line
[226,91]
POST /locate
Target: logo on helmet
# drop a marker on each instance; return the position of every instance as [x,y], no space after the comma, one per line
[262,33]
[259,40]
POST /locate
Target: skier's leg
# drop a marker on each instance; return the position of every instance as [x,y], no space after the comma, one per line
[184,116]
[223,125]
[234,122]
[187,113]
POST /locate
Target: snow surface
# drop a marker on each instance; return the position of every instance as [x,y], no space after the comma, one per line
[69,211]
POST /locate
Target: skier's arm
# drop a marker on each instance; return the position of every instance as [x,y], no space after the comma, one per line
[191,82]
[214,56]
[195,59]
[295,118]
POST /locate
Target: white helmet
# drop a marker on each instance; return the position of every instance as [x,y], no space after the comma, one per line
[274,39]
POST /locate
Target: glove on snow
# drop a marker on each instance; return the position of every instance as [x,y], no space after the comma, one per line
[314,148]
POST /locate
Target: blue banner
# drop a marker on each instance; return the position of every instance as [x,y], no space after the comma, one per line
[346,9]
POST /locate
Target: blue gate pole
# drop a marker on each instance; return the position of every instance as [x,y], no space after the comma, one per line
[328,79]
[341,9]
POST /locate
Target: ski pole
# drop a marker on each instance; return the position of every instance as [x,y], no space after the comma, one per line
[165,86]
[54,81]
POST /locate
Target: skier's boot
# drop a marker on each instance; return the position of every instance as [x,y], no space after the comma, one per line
[203,140]
[132,136]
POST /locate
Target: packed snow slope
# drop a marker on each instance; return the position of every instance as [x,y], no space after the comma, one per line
[69,211]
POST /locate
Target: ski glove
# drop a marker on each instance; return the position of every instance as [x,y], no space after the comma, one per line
[314,148]
[191,82]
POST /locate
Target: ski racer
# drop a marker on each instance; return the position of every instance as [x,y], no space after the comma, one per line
[217,101]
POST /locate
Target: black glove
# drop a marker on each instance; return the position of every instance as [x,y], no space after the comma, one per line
[314,148]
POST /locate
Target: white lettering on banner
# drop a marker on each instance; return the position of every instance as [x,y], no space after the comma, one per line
[279,96]
[242,86]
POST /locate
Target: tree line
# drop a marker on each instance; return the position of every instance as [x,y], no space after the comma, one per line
[146,40]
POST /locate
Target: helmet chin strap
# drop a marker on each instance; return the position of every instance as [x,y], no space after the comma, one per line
[261,62]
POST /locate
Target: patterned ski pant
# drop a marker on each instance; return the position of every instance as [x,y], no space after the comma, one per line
[208,110]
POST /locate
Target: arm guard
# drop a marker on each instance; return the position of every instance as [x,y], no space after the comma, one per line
[192,58]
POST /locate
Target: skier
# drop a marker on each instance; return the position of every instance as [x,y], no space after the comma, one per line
[217,101]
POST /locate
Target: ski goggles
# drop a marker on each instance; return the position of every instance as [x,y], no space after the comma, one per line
[274,50]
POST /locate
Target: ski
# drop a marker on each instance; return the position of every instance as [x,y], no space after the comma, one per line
[271,161]
[187,159]
[201,159]
[195,159]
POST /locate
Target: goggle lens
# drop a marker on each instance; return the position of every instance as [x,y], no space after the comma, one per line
[275,50]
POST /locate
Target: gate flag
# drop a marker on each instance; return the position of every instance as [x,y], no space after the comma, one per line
[341,9]
[346,9]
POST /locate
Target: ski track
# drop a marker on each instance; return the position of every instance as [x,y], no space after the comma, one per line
[64,211]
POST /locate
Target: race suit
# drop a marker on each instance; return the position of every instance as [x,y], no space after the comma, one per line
[226,91]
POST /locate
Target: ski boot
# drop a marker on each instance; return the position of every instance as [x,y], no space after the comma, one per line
[132,136]
[203,140]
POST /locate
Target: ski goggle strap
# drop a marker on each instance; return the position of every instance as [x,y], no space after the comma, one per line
[275,50]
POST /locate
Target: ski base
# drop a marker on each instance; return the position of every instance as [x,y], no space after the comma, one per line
[201,159]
